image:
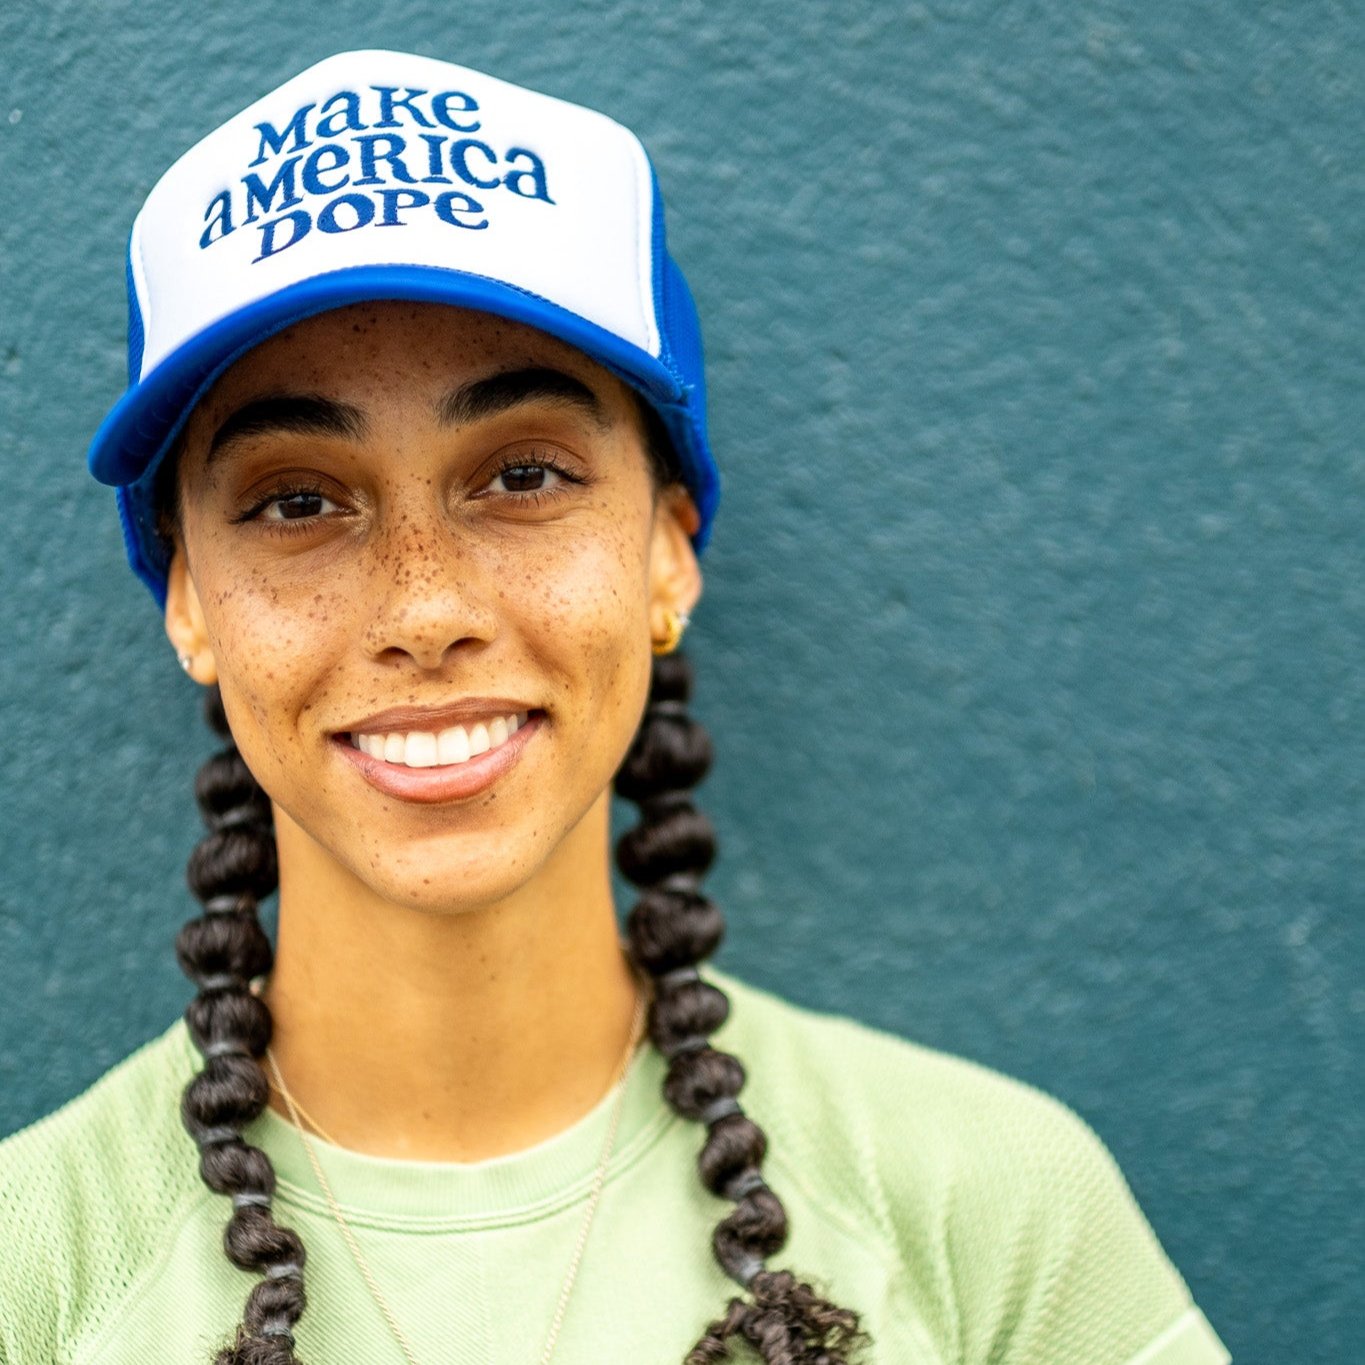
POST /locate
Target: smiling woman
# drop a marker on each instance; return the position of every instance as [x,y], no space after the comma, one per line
[423,511]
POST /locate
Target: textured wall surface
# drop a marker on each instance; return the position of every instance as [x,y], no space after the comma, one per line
[1032,636]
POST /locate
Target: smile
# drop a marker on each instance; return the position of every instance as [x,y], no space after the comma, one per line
[440,749]
[451,763]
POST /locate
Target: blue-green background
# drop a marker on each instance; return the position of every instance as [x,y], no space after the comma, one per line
[1033,624]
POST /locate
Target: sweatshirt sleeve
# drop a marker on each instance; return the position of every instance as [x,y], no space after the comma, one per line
[1050,1258]
[1006,1231]
[1011,1228]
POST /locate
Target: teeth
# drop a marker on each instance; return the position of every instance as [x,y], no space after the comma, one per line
[458,744]
[452,746]
[421,750]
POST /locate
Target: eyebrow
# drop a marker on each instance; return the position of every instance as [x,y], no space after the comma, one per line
[499,393]
[481,398]
[288,412]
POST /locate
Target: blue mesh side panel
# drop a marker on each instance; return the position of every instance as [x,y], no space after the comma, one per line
[680,351]
[659,260]
[135,334]
[683,329]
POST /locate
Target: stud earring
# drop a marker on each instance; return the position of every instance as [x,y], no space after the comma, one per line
[185,661]
[675,622]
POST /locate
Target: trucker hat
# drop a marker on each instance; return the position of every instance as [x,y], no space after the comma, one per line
[385,175]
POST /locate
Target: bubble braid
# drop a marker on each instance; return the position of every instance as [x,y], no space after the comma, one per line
[672,928]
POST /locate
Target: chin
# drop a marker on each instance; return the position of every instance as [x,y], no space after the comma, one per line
[435,880]
[428,870]
[435,893]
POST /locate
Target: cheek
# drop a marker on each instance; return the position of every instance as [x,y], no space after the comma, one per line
[271,645]
[586,612]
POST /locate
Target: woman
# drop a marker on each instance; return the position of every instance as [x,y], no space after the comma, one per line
[414,461]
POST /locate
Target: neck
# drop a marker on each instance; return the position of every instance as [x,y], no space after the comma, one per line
[448,1036]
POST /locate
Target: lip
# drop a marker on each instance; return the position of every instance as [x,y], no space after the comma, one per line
[428,786]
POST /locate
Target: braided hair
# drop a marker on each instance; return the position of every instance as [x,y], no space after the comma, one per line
[672,928]
[231,870]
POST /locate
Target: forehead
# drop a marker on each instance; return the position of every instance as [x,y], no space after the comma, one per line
[382,353]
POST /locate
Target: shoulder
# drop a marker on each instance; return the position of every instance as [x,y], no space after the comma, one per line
[87,1197]
[997,1199]
[897,1105]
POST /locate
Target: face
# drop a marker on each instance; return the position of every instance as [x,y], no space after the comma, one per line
[422,553]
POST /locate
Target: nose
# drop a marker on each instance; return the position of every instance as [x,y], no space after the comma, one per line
[435,597]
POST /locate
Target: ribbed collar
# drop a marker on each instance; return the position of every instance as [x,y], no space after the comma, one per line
[438,1196]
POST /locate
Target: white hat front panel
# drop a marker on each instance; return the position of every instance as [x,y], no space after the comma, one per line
[386,159]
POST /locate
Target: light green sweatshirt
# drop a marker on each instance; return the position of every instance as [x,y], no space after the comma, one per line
[967,1217]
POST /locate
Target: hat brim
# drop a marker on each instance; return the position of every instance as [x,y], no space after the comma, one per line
[143,426]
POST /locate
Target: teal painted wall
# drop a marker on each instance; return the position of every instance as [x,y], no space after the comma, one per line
[1033,625]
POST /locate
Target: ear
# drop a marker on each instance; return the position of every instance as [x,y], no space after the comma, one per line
[185,626]
[674,575]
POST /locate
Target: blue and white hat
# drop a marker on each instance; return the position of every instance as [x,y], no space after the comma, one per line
[383,175]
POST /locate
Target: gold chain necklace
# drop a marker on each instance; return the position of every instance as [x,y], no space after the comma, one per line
[599,1180]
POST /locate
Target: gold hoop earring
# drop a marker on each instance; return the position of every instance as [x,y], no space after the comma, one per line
[675,622]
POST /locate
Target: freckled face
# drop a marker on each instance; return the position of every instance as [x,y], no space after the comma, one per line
[391,512]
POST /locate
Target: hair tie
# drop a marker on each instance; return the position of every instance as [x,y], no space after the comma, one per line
[744,1184]
[229,904]
[284,1270]
[219,981]
[679,976]
[669,708]
[225,1047]
[220,1132]
[666,801]
[694,1042]
[277,1325]
[242,1198]
[679,881]
[723,1108]
[747,1269]
[239,815]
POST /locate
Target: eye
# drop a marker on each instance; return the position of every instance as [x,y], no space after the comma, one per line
[531,477]
[290,504]
[527,476]
[298,505]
